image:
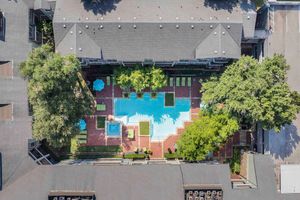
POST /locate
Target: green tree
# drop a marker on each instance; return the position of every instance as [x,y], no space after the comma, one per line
[123,78]
[255,92]
[158,78]
[139,79]
[205,135]
[57,94]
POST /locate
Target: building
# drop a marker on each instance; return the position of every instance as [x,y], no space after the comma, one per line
[142,182]
[170,34]
[229,30]
[15,119]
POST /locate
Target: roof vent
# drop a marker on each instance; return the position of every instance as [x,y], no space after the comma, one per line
[134,26]
[119,26]
[223,33]
[228,26]
[71,48]
[86,26]
[192,18]
[160,18]
[101,26]
[134,17]
[210,18]
[215,52]
[215,33]
[160,26]
[177,26]
[248,17]
[64,19]
[192,26]
[227,18]
[71,32]
[211,26]
[79,32]
[101,18]
[176,18]
[80,49]
[65,26]
[223,52]
[87,18]
[119,18]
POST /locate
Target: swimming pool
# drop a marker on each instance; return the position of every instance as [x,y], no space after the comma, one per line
[113,129]
[164,120]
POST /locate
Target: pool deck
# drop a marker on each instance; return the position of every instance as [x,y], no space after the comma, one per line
[97,137]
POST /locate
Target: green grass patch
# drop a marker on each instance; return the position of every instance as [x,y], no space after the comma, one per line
[144,128]
[101,121]
[169,99]
[135,156]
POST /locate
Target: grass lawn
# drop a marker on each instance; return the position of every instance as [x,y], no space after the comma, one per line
[169,99]
[101,121]
[144,128]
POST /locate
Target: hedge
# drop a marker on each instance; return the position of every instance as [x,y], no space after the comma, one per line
[135,156]
[172,156]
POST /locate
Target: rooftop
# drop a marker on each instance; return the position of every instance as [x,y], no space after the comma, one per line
[168,30]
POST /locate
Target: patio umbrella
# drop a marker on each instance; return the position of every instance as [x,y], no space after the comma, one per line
[82,125]
[98,85]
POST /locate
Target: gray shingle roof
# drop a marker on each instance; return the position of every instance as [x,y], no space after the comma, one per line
[140,182]
[134,30]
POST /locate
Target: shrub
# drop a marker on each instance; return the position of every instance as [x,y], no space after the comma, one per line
[172,156]
[135,156]
[235,161]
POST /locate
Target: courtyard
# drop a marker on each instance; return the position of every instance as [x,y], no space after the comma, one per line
[148,123]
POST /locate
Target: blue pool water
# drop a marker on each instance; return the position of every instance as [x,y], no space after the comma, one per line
[113,129]
[164,120]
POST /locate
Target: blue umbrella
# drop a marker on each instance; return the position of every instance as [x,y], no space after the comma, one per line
[82,125]
[98,85]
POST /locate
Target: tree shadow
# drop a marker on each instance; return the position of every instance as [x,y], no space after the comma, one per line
[228,5]
[100,6]
[283,144]
[221,5]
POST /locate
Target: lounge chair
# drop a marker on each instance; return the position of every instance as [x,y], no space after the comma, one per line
[130,134]
[114,80]
[108,80]
[177,81]
[171,83]
[183,81]
[82,138]
[189,81]
[101,107]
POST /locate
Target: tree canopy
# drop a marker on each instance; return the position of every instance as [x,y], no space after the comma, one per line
[158,79]
[57,94]
[254,92]
[141,78]
[205,135]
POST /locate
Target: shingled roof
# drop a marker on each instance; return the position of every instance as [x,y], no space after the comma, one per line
[161,30]
[141,182]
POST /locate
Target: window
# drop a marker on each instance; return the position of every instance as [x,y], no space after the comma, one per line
[2,26]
